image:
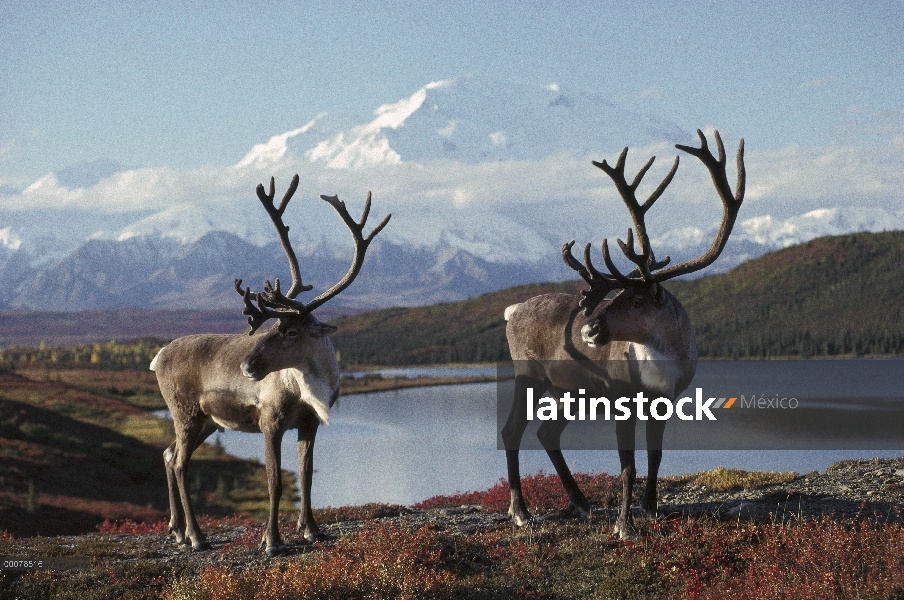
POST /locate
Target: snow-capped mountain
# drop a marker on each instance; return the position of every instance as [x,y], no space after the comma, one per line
[485,179]
[471,120]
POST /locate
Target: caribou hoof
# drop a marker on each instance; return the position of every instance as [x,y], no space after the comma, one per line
[178,535]
[316,536]
[273,551]
[652,515]
[576,510]
[200,546]
[520,518]
[625,532]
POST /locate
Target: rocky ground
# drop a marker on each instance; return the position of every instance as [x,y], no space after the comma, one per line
[866,488]
[860,489]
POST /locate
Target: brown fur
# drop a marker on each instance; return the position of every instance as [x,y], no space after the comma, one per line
[207,383]
[546,336]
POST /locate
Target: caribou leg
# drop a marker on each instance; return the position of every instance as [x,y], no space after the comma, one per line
[649,501]
[177,517]
[307,431]
[188,437]
[549,434]
[273,433]
[512,433]
[624,433]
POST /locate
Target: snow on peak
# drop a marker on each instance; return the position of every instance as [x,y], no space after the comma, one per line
[776,233]
[394,115]
[367,145]
[188,223]
[680,238]
[275,148]
[469,119]
[438,85]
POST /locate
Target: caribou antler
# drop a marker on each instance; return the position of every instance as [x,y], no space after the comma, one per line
[271,302]
[600,283]
[649,270]
[361,244]
[645,261]
[731,203]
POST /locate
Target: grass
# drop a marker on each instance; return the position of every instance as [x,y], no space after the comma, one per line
[721,479]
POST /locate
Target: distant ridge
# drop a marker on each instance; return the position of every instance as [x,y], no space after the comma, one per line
[831,296]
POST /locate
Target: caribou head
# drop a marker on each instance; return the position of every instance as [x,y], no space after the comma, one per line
[283,345]
[641,308]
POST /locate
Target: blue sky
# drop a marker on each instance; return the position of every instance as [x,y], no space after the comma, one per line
[183,85]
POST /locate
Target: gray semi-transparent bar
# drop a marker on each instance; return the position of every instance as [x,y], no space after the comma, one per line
[45,563]
[845,404]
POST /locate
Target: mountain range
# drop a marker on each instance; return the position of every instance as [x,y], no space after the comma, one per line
[485,180]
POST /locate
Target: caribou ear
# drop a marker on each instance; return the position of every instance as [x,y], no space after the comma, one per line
[658,293]
[319,330]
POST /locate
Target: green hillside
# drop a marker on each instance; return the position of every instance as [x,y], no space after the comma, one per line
[828,297]
[467,331]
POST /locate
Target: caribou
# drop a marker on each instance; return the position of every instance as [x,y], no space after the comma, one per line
[625,334]
[287,378]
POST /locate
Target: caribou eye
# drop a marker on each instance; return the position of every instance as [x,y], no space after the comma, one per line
[292,333]
[638,302]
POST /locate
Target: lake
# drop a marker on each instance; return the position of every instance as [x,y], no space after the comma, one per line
[403,446]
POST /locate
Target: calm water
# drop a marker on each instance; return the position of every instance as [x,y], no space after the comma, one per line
[403,446]
[483,371]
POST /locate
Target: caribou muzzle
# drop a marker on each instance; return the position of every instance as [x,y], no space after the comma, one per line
[596,333]
[590,333]
[254,368]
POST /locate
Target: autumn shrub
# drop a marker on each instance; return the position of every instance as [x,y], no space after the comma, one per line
[702,559]
[815,559]
[130,526]
[541,492]
[379,561]
[364,512]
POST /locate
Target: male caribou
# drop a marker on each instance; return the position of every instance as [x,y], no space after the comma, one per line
[640,340]
[287,378]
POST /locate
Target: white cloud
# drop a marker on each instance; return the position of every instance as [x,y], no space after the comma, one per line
[509,210]
[816,82]
[498,138]
[832,171]
[789,173]
[9,239]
